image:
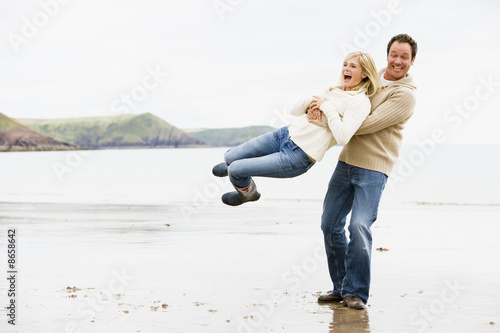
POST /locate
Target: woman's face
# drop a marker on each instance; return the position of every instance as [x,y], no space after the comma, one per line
[353,74]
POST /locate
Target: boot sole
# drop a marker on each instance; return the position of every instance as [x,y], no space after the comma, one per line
[257,197]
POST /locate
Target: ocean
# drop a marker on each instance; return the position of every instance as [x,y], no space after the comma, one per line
[456,175]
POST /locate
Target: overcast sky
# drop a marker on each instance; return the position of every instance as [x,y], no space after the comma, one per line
[234,63]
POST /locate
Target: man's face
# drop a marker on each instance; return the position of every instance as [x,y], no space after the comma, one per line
[399,61]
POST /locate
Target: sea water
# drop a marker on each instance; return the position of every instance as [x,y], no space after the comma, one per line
[458,175]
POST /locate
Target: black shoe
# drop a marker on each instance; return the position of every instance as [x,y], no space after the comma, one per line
[330,298]
[236,198]
[354,302]
[220,170]
[239,197]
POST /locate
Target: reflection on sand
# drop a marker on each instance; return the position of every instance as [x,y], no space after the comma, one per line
[347,320]
[254,267]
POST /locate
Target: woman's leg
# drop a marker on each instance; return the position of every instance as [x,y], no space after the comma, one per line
[270,155]
[277,165]
[260,146]
[287,162]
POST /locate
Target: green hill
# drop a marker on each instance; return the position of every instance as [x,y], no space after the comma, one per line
[7,123]
[144,130]
[16,137]
[228,137]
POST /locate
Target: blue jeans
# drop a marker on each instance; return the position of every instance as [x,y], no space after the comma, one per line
[358,190]
[272,154]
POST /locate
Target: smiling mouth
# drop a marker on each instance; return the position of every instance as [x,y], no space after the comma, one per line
[347,77]
[397,68]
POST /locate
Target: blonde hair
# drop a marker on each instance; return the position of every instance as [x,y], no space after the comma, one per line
[371,84]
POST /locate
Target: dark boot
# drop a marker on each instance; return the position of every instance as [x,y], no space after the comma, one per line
[330,298]
[241,195]
[220,170]
[354,302]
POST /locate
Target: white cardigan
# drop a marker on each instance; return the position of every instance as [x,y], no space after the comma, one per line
[345,111]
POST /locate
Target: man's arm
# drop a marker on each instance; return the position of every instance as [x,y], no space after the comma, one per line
[396,109]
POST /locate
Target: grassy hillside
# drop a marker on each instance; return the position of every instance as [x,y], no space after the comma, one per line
[129,130]
[16,137]
[7,123]
[144,130]
[228,137]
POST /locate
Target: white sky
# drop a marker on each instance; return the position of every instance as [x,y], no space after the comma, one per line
[246,68]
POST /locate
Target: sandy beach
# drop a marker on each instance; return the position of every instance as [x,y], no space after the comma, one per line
[255,268]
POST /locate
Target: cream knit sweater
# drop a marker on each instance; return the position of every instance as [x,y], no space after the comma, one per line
[376,144]
[345,112]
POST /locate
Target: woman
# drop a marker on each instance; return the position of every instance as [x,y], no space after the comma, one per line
[292,150]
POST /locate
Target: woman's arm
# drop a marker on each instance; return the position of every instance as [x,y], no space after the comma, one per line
[343,128]
[300,108]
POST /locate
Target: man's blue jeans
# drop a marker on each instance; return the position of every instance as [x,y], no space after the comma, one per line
[272,154]
[358,190]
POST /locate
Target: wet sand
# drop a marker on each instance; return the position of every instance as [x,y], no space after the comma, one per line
[256,268]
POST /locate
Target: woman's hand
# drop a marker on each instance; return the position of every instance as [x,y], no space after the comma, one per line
[316,122]
[316,102]
[314,116]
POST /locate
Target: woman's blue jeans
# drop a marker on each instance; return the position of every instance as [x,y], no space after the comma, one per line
[272,154]
[356,190]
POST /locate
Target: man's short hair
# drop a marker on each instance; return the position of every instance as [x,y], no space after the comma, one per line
[404,38]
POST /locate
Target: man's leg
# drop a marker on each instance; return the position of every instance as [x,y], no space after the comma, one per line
[336,206]
[368,187]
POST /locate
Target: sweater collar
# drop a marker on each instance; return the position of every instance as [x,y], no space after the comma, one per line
[339,86]
[407,81]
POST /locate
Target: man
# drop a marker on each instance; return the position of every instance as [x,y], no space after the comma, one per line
[360,176]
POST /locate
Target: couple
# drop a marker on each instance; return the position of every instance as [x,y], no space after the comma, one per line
[366,112]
